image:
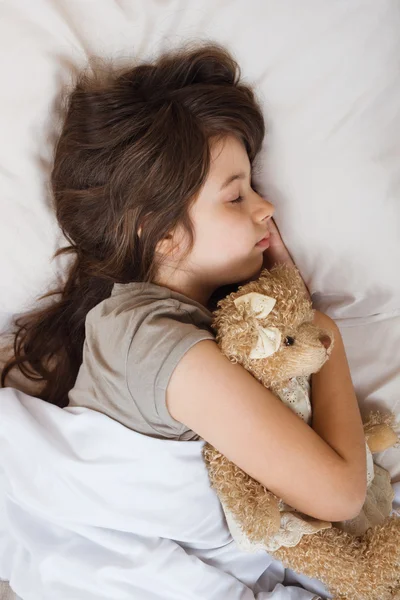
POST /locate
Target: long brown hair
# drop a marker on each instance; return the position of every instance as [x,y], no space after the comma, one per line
[133,153]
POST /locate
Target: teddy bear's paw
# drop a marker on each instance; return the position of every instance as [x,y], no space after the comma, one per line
[380,437]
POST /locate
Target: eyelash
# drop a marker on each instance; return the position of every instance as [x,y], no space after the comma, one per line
[237,200]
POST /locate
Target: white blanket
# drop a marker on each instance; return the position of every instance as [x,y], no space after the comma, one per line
[91,510]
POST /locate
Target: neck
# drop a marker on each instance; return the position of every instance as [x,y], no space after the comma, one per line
[203,291]
[180,282]
[199,294]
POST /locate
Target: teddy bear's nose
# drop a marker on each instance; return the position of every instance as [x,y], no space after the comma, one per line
[325,340]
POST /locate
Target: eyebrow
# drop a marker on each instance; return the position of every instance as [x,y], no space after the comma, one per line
[231,178]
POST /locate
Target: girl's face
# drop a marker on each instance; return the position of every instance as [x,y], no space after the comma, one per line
[229,220]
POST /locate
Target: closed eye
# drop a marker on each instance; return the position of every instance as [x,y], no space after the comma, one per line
[237,200]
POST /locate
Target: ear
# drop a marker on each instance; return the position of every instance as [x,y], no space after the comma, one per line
[171,244]
[166,246]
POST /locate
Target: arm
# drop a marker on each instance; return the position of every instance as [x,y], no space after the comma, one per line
[229,408]
[336,416]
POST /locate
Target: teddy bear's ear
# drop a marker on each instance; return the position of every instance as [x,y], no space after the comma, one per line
[269,338]
[260,304]
[252,304]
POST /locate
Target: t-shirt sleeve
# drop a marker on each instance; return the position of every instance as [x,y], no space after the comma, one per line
[162,338]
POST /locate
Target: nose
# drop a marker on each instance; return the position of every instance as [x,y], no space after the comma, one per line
[265,209]
[325,340]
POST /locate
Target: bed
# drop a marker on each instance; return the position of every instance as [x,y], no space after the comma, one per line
[328,76]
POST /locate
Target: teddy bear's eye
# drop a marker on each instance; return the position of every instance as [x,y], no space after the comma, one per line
[289,341]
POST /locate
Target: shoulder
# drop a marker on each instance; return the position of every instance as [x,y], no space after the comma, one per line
[135,339]
[144,326]
[162,333]
[144,301]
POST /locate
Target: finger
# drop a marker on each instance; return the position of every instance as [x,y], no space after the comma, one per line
[273,227]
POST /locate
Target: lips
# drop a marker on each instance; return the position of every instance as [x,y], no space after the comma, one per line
[264,242]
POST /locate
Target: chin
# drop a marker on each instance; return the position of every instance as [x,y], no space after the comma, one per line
[257,273]
[239,273]
[252,272]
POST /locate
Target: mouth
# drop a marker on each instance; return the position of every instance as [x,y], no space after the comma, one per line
[264,242]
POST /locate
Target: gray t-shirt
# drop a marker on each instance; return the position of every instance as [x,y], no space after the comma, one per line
[134,340]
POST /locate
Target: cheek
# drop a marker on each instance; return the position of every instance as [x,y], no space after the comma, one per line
[223,232]
[232,231]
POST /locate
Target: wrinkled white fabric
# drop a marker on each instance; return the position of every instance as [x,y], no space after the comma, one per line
[91,510]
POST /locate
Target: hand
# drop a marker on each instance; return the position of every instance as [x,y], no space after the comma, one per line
[277,253]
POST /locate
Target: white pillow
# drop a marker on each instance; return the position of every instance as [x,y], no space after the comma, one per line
[327,74]
[332,98]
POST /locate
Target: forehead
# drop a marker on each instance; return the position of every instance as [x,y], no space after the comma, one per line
[228,157]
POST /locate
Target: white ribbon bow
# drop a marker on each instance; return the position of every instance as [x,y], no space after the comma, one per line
[269,338]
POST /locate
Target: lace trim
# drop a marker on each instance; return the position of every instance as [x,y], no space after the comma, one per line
[296,395]
[293,526]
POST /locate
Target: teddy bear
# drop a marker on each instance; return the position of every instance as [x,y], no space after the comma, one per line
[267,327]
